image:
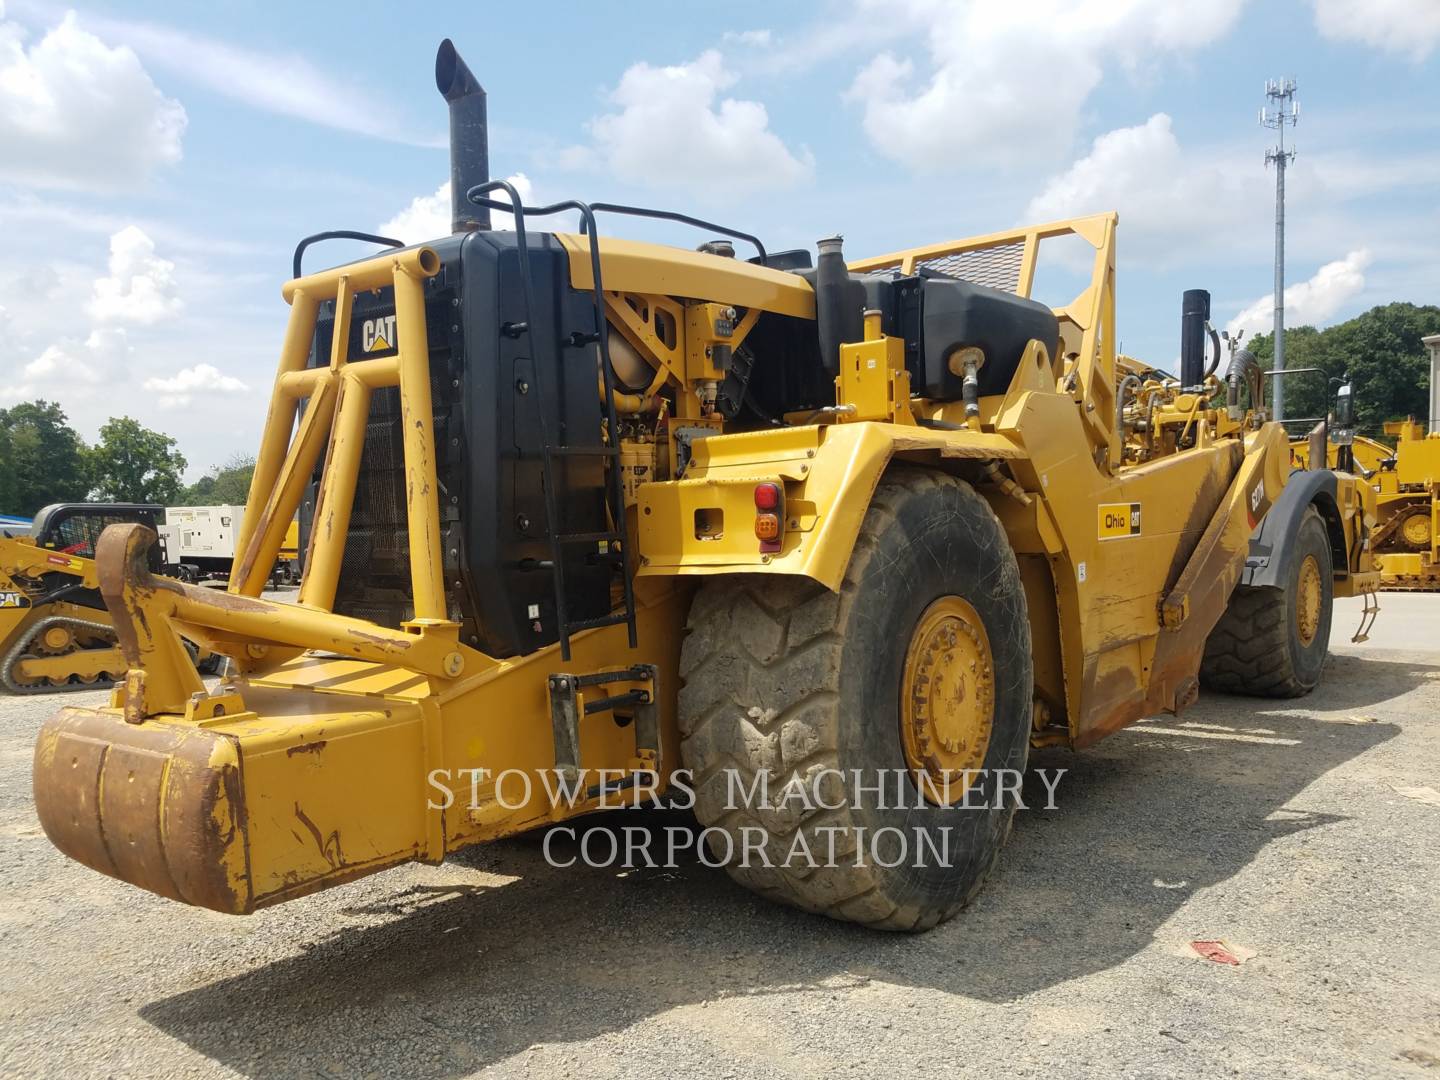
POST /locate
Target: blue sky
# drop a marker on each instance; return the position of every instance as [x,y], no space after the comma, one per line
[158,162]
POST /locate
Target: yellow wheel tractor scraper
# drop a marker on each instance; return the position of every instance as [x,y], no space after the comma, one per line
[1406,537]
[55,633]
[590,512]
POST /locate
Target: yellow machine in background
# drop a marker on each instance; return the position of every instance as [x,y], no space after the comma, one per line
[55,633]
[1370,456]
[589,513]
[1406,540]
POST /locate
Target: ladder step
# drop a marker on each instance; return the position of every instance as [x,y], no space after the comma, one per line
[617,701]
[638,673]
[619,618]
[566,714]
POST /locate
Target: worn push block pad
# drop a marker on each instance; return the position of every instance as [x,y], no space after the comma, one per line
[158,805]
[243,812]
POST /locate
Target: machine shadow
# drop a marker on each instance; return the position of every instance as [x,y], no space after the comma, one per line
[1384,680]
[477,974]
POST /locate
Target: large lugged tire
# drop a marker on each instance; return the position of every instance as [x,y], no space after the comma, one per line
[1272,642]
[786,679]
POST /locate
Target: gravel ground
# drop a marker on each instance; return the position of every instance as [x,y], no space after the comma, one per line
[1276,826]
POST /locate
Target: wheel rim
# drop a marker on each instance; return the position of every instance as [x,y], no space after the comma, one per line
[947,698]
[1307,607]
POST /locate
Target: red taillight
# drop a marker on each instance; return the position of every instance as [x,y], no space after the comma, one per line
[767,497]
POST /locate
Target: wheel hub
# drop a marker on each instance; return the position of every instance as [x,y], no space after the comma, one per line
[1308,600]
[55,640]
[947,697]
[1415,530]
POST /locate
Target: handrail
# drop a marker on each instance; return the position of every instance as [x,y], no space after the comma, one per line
[337,234]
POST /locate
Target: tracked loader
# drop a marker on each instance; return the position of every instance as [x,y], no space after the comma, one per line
[55,632]
[1407,541]
[637,517]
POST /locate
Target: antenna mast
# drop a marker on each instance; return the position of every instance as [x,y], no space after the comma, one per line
[1281,109]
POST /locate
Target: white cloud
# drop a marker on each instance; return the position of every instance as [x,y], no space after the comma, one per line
[77,113]
[1408,27]
[674,131]
[178,390]
[757,39]
[428,216]
[1170,202]
[1308,303]
[282,83]
[77,369]
[140,287]
[1008,78]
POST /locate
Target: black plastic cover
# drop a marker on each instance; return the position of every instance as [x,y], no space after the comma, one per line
[939,315]
[487,403]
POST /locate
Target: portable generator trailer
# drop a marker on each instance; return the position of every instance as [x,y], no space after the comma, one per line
[609,505]
[201,541]
[55,632]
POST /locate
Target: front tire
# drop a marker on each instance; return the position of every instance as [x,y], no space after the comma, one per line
[1273,642]
[919,664]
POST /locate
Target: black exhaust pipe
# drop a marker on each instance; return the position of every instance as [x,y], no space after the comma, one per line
[469,137]
[839,303]
[1194,314]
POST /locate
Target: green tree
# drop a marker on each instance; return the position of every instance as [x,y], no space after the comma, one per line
[42,459]
[1381,352]
[223,485]
[131,463]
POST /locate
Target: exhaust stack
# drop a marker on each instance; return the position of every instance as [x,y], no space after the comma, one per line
[1194,314]
[469,137]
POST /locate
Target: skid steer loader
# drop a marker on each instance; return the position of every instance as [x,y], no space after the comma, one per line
[55,633]
[588,515]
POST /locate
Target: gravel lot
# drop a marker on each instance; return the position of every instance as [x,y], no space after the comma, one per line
[1276,826]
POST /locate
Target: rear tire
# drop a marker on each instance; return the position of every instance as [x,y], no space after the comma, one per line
[1272,642]
[784,678]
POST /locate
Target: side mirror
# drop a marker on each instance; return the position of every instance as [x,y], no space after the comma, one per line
[1344,406]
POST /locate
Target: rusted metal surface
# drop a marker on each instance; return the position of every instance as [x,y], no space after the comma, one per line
[243,810]
[158,806]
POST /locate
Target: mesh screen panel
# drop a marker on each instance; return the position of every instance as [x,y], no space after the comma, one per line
[995,267]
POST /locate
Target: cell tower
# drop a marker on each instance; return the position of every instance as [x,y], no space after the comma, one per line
[1281,109]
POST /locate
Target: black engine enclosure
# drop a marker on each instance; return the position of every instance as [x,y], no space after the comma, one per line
[492,392]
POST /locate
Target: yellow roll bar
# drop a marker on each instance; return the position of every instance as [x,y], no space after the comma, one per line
[332,405]
[338,408]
